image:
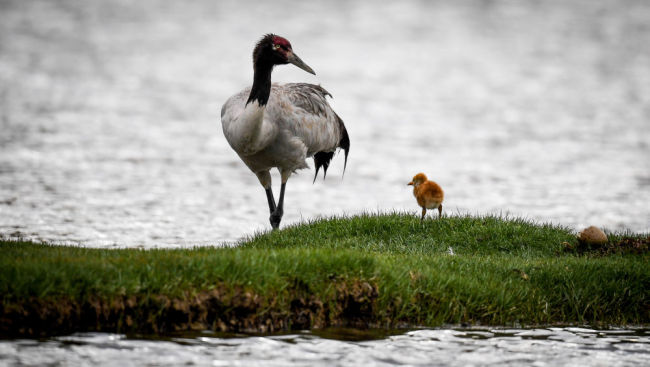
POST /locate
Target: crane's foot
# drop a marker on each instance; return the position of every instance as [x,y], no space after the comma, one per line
[275,218]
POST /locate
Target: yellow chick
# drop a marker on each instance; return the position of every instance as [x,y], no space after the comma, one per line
[428,194]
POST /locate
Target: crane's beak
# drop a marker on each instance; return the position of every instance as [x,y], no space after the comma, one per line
[410,183]
[294,59]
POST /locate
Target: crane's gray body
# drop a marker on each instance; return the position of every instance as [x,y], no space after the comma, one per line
[296,123]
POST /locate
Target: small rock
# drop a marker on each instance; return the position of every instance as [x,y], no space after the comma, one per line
[592,235]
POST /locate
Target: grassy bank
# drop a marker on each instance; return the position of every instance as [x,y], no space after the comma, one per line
[364,271]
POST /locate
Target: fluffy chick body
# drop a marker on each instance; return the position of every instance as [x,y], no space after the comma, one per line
[428,194]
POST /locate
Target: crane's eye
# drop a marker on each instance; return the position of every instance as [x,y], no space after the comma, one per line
[276,47]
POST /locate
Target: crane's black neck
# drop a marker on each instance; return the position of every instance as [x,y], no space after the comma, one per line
[261,89]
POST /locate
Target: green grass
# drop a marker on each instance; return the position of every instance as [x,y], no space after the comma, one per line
[380,270]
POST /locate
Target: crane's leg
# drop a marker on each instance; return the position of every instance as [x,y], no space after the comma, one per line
[270,199]
[276,215]
[265,180]
[439,211]
[424,212]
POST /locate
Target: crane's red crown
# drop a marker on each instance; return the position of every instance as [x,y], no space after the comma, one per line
[282,42]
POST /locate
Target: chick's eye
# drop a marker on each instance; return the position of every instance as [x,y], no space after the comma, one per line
[276,47]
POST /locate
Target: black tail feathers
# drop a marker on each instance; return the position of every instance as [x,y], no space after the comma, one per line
[323,159]
[344,143]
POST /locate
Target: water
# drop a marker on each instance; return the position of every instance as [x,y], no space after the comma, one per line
[436,347]
[110,132]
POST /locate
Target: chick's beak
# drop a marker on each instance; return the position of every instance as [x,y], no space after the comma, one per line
[410,183]
[294,59]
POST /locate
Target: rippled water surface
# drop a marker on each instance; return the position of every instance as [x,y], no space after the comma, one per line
[110,132]
[437,347]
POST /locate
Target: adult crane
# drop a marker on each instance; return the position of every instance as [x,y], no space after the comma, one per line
[280,126]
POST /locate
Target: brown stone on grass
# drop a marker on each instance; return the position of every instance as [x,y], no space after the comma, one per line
[592,236]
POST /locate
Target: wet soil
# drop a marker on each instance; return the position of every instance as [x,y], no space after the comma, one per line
[625,245]
[223,309]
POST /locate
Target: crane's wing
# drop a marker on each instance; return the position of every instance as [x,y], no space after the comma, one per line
[311,99]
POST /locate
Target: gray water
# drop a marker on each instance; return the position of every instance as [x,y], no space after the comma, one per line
[110,137]
[110,133]
[437,347]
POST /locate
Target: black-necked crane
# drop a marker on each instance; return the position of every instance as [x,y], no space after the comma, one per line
[273,125]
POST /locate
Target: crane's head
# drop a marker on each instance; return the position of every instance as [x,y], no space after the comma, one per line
[275,50]
[418,179]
